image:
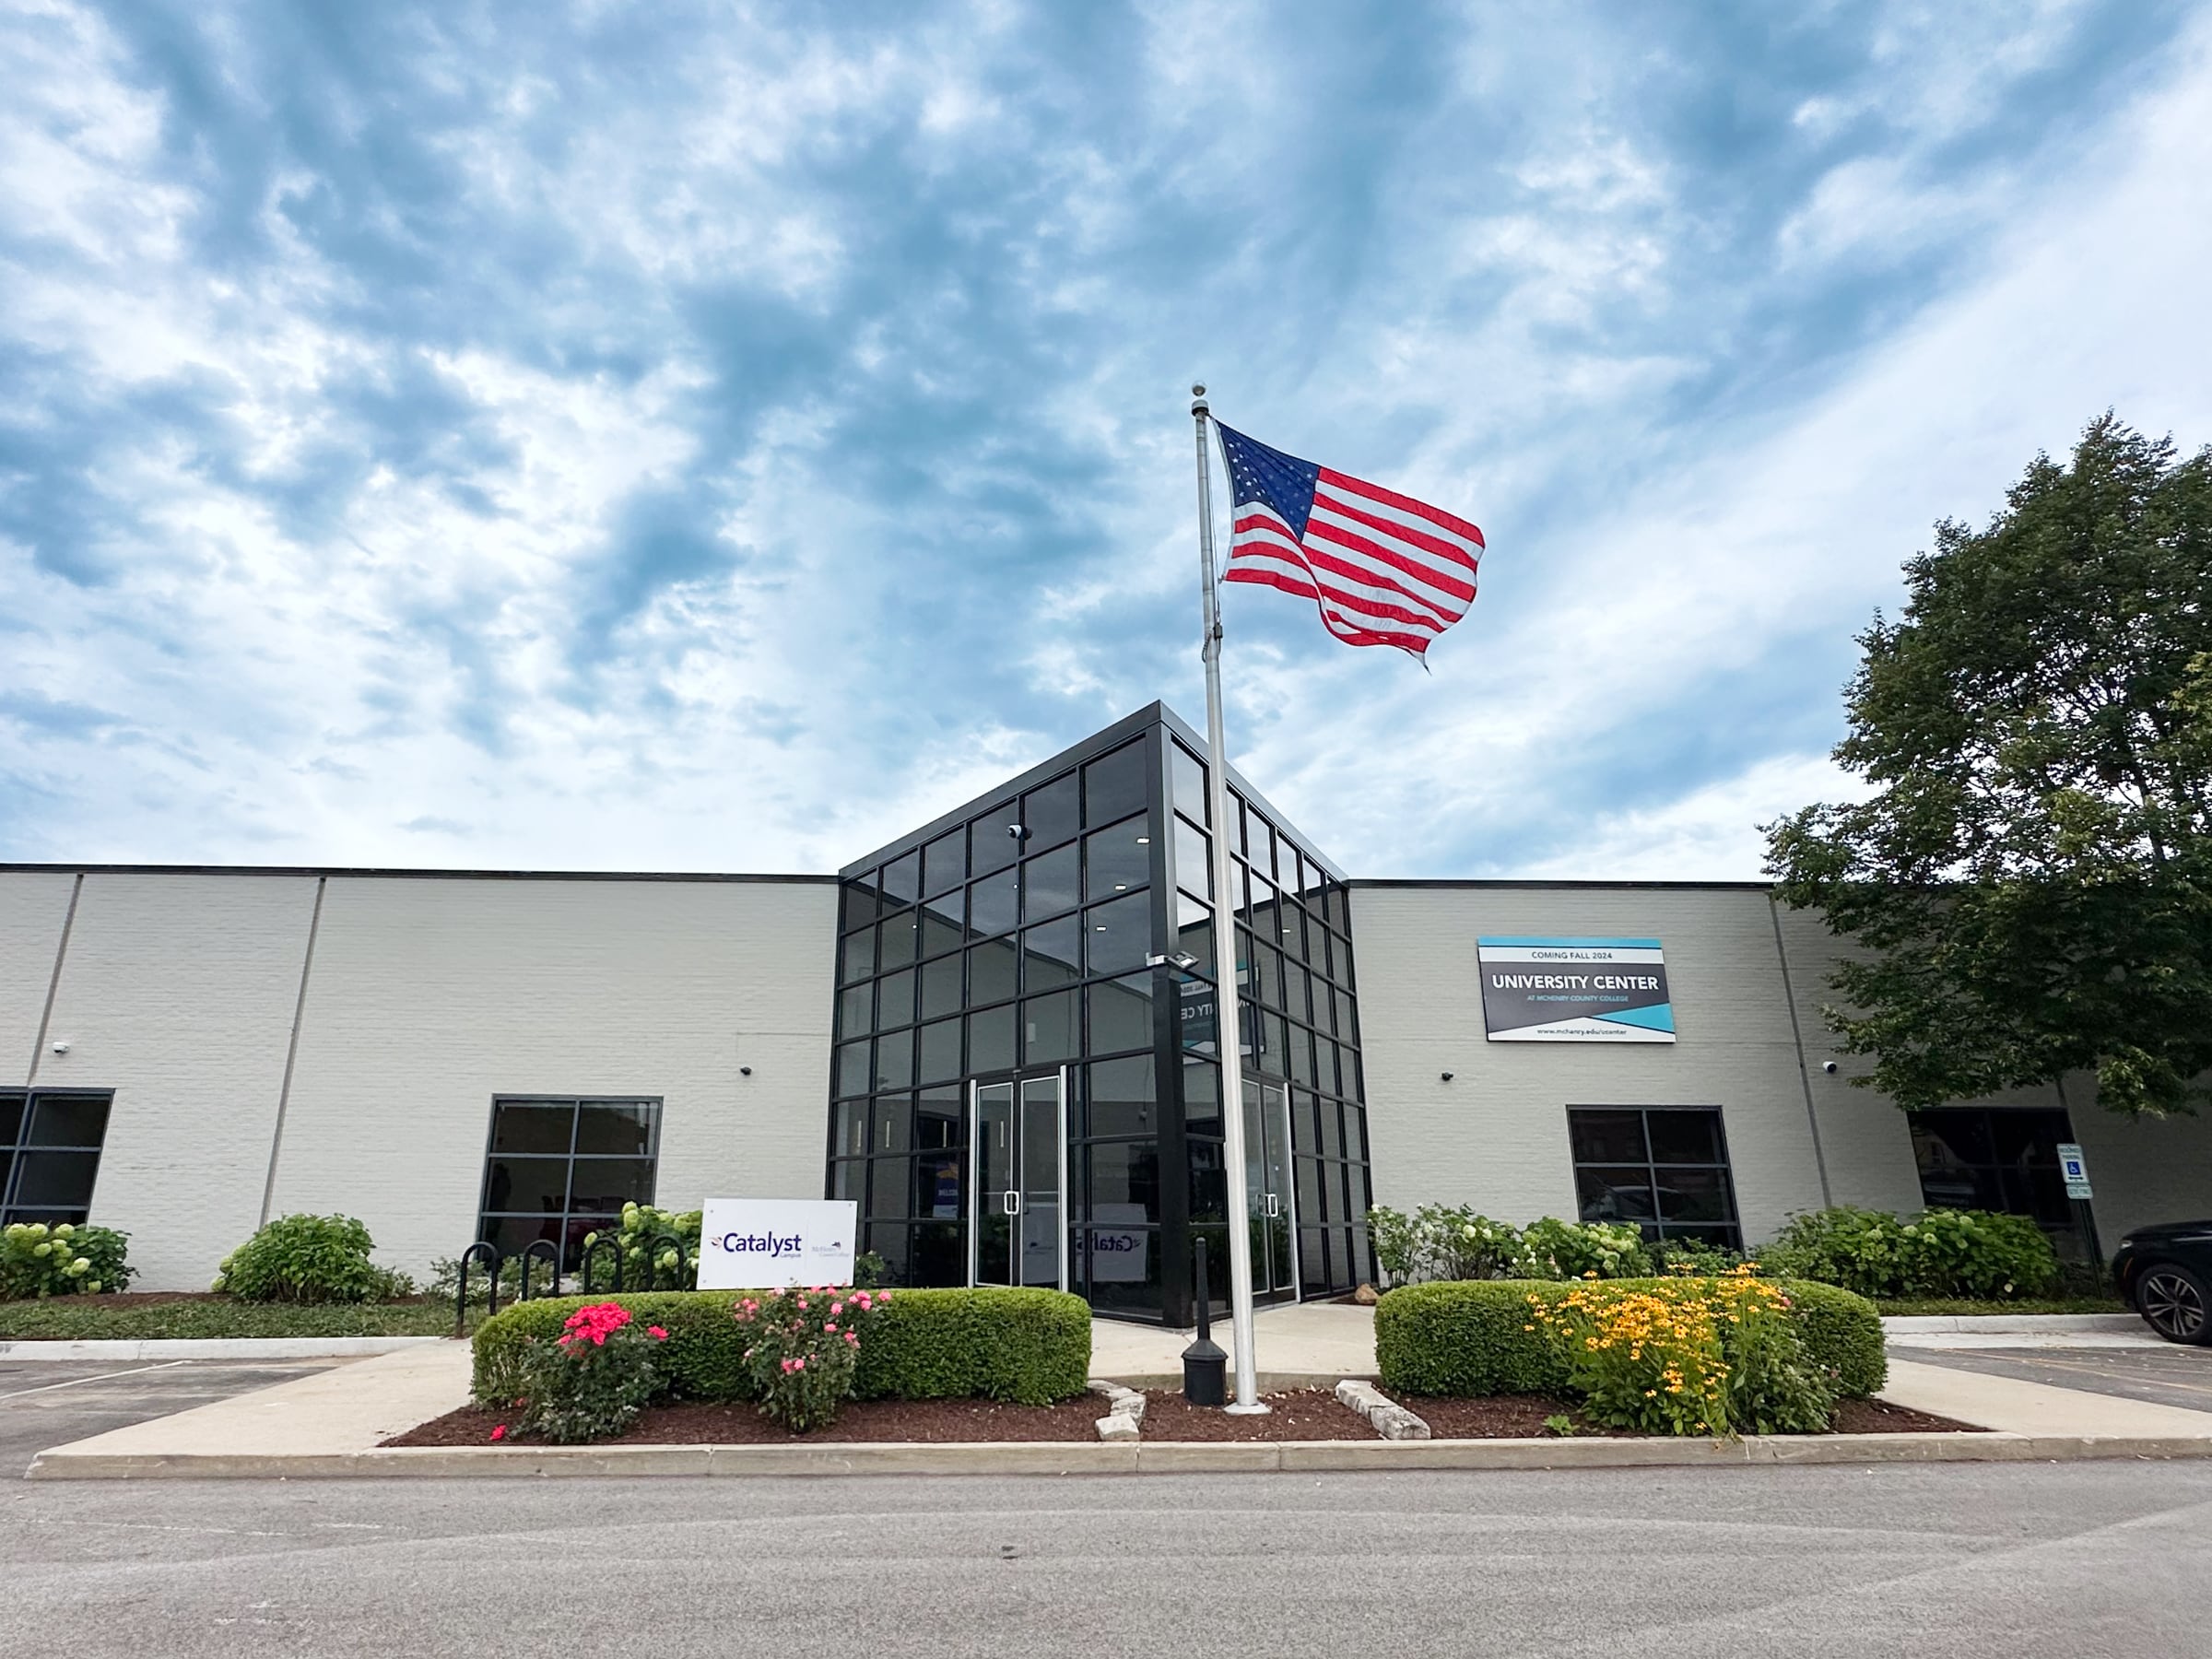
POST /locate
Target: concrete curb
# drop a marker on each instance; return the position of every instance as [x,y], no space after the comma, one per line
[2019,1325]
[1076,1457]
[215,1347]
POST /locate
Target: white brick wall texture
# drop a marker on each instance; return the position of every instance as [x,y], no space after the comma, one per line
[429,996]
[32,904]
[177,993]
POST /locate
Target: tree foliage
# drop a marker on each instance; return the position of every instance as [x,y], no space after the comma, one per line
[2031,873]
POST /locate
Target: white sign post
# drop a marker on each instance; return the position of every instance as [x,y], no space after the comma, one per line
[2075,1168]
[769,1244]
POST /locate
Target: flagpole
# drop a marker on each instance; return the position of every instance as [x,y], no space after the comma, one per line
[1228,1026]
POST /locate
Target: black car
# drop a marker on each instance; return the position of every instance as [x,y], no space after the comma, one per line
[2165,1273]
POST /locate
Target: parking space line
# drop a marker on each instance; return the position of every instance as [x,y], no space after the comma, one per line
[103,1376]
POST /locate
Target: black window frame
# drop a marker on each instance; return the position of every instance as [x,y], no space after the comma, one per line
[570,1239]
[17,1147]
[1657,1227]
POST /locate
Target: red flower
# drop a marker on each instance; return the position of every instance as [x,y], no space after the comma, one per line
[500,1433]
[657,1333]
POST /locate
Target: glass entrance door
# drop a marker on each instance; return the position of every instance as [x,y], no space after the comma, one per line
[1016,1227]
[1267,1199]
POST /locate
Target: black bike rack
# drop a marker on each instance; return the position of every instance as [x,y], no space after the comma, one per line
[539,1250]
[481,1250]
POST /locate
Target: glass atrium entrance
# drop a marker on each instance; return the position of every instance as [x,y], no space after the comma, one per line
[1025,1084]
[1018,1138]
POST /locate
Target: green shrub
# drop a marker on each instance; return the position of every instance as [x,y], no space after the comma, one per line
[1472,1339]
[1029,1347]
[1552,1249]
[659,1250]
[1939,1253]
[592,1379]
[1692,1257]
[306,1259]
[66,1259]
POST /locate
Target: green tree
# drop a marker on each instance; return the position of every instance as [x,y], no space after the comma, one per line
[2031,874]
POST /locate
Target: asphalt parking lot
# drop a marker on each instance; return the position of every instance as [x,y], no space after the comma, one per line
[50,1403]
[2164,1375]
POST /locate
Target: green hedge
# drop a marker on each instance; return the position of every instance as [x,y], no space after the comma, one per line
[1029,1347]
[1468,1338]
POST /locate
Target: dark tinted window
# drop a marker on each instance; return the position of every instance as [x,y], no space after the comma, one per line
[536,1187]
[945,861]
[1117,859]
[1049,883]
[1051,815]
[1186,783]
[1664,1168]
[902,878]
[1113,785]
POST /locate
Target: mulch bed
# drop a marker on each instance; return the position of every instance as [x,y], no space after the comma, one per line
[1521,1416]
[1297,1414]
[1304,1414]
[693,1423]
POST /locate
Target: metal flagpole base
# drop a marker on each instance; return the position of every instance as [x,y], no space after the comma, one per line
[1257,1408]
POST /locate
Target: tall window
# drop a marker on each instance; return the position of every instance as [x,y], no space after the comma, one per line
[50,1142]
[2002,1159]
[1664,1167]
[560,1168]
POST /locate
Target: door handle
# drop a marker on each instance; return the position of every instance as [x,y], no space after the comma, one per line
[1275,1207]
[1013,1204]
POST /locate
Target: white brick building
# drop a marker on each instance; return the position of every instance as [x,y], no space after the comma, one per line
[185,1052]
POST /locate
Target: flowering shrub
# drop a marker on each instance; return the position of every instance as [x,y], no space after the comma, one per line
[36,1260]
[1687,1356]
[1552,1249]
[1440,1242]
[591,1380]
[802,1349]
[1939,1253]
[659,1250]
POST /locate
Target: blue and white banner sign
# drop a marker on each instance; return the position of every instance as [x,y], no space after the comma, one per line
[1574,990]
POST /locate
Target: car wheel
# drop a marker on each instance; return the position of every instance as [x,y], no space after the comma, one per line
[2175,1304]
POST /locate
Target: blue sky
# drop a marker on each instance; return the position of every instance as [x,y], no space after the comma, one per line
[686,437]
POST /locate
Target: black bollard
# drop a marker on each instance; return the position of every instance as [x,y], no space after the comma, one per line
[1204,1365]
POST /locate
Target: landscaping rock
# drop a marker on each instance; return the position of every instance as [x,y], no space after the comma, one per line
[1117,1426]
[1122,1402]
[1388,1419]
[1366,1296]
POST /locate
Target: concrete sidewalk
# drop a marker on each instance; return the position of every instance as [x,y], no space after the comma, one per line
[1306,1345]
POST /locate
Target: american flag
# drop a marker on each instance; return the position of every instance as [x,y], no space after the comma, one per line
[1384,568]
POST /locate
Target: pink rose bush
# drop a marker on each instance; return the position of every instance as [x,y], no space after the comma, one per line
[803,1349]
[593,1380]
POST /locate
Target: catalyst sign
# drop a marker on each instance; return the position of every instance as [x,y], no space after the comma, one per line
[768,1244]
[1574,990]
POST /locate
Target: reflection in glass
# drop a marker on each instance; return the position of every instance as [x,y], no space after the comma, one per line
[899,940]
[1193,865]
[1050,814]
[1049,883]
[991,905]
[940,987]
[533,1125]
[1117,859]
[895,999]
[1048,1028]
[1120,1097]
[991,1040]
[945,863]
[902,878]
[1118,936]
[1121,1014]
[895,1061]
[1186,783]
[1049,954]
[1113,785]
[853,1010]
[992,970]
[939,1054]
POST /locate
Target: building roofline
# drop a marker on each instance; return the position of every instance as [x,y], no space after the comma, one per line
[1076,753]
[1525,885]
[383,873]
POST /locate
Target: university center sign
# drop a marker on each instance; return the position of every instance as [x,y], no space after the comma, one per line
[1544,989]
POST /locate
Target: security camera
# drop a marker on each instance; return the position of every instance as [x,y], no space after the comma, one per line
[1018,831]
[1828,1066]
[1446,1075]
[745,1071]
[62,1046]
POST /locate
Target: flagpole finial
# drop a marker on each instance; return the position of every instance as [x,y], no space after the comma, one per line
[1198,404]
